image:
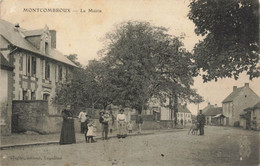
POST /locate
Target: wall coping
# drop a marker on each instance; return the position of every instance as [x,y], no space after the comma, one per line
[29,101]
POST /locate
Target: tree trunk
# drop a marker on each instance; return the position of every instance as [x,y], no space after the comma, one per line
[92,110]
[171,110]
[175,109]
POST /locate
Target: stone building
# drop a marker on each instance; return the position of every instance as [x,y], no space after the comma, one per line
[6,73]
[251,117]
[211,114]
[238,100]
[38,66]
[209,106]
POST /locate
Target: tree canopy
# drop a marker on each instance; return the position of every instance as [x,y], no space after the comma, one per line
[231,43]
[139,61]
[146,61]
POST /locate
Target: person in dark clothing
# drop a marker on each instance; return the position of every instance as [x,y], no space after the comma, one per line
[201,122]
[104,119]
[139,122]
[181,121]
[86,127]
[67,135]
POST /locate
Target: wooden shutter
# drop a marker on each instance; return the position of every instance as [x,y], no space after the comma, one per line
[24,64]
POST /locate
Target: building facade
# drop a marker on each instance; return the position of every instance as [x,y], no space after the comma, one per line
[165,113]
[238,100]
[184,114]
[251,117]
[38,67]
[211,114]
[6,73]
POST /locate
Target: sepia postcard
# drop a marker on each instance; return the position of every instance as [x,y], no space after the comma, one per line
[129,83]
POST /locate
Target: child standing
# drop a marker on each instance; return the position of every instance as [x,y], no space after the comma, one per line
[91,131]
[130,127]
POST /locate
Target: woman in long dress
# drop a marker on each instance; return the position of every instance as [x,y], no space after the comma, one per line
[121,124]
[67,135]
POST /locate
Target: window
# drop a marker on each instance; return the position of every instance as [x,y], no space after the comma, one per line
[28,65]
[66,76]
[46,96]
[33,96]
[47,70]
[60,73]
[46,48]
[25,95]
[33,66]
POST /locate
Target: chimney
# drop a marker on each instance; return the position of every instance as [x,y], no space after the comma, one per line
[234,88]
[16,26]
[246,84]
[53,38]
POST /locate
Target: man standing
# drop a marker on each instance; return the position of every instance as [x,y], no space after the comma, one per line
[201,122]
[139,122]
[82,118]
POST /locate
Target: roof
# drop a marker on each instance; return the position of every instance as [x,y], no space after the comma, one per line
[4,63]
[213,111]
[183,108]
[232,95]
[257,105]
[36,32]
[207,108]
[219,115]
[17,37]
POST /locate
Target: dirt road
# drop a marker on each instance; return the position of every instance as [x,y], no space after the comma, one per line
[219,146]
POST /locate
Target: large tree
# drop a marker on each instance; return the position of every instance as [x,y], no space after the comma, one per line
[231,37]
[89,87]
[176,75]
[146,62]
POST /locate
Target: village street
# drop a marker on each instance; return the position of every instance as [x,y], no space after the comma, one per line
[219,146]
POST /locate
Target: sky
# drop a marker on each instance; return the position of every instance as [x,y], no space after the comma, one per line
[81,32]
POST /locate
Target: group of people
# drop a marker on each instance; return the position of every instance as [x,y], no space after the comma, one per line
[88,127]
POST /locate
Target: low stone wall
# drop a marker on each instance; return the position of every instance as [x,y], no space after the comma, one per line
[29,115]
[36,116]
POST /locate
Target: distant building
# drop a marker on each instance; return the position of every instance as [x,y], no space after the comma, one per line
[184,114]
[209,106]
[234,104]
[212,115]
[251,117]
[163,110]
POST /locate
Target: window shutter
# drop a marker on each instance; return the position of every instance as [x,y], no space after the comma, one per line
[38,67]
[29,94]
[24,64]
[43,69]
[20,94]
[57,73]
